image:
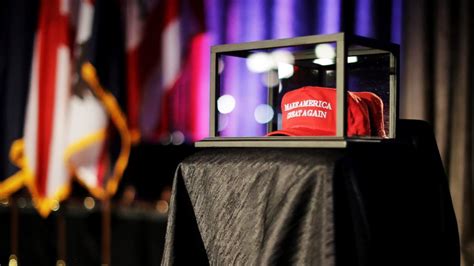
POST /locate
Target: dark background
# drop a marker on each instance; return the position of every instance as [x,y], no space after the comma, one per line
[437,81]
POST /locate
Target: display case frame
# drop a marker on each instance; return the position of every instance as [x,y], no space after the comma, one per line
[340,139]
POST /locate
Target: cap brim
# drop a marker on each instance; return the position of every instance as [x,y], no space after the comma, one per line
[300,131]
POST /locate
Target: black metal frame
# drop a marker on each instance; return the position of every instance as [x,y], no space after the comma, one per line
[342,41]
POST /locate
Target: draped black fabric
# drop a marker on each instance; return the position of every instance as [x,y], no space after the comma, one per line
[368,204]
[268,207]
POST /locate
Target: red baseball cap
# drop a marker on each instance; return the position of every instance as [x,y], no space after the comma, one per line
[375,105]
[311,111]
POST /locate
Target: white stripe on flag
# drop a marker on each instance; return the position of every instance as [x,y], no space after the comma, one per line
[88,175]
[134,25]
[31,119]
[64,7]
[86,16]
[171,54]
[86,117]
[57,170]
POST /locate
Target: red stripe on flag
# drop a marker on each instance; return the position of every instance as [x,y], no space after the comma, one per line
[171,11]
[46,71]
[52,32]
[133,99]
[163,126]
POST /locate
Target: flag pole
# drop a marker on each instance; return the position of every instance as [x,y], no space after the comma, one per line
[61,241]
[106,231]
[89,75]
[13,260]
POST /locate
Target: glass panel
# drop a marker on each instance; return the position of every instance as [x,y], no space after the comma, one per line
[242,93]
[369,92]
[282,91]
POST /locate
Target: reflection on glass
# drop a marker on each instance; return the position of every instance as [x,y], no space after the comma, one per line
[225,104]
[369,79]
[325,50]
[259,62]
[263,113]
[266,90]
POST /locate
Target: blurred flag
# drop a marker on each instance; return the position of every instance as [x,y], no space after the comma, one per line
[40,154]
[88,121]
[74,124]
[167,69]
[99,137]
[134,26]
[18,21]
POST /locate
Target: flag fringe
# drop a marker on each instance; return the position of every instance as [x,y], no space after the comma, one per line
[14,182]
[25,176]
[118,118]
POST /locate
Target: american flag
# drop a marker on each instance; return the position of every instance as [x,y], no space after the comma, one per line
[40,154]
[167,68]
[74,117]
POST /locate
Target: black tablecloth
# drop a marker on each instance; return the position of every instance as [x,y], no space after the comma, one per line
[368,204]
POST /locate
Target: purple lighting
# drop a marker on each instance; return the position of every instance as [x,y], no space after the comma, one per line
[229,81]
[396,20]
[237,21]
[253,29]
[282,20]
[364,18]
[328,14]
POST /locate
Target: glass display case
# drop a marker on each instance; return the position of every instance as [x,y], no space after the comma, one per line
[311,91]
